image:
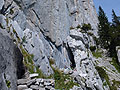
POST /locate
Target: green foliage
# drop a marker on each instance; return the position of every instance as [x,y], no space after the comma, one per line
[115,19]
[90,33]
[8,83]
[105,84]
[93,48]
[51,61]
[78,26]
[41,75]
[97,41]
[86,27]
[103,74]
[71,28]
[115,84]
[97,54]
[28,60]
[103,27]
[11,11]
[24,40]
[115,64]
[62,81]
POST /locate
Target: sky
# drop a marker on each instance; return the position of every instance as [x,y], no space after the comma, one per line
[107,6]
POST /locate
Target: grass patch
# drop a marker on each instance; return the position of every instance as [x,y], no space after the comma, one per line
[62,81]
[8,83]
[104,75]
[28,60]
[97,53]
[115,64]
[115,84]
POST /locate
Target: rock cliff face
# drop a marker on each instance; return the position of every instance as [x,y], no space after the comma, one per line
[11,65]
[50,30]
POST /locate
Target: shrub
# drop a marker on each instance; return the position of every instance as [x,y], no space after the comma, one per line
[60,79]
[78,26]
[92,48]
[86,27]
[71,28]
[90,33]
[8,83]
[97,54]
[103,74]
[115,64]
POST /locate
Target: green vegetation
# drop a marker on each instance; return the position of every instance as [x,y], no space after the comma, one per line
[90,33]
[97,53]
[115,84]
[28,60]
[103,29]
[78,26]
[115,64]
[71,28]
[51,61]
[103,74]
[24,40]
[109,32]
[63,81]
[11,11]
[93,48]
[8,83]
[86,27]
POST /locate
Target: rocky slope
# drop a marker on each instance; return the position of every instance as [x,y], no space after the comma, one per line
[49,36]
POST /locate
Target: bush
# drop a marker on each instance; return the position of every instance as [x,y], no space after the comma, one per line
[71,28]
[90,33]
[86,27]
[103,74]
[115,64]
[78,26]
[92,48]
[97,54]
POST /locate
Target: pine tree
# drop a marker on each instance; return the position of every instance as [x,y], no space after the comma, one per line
[103,29]
[114,34]
[116,28]
[115,19]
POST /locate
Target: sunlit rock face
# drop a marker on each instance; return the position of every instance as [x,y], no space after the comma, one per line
[48,29]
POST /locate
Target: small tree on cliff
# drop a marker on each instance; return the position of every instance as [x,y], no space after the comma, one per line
[103,28]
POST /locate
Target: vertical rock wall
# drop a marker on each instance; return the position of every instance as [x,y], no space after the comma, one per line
[43,28]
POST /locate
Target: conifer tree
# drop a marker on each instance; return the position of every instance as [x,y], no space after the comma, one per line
[103,29]
[115,19]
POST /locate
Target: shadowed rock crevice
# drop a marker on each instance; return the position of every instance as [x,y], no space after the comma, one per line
[71,57]
[20,65]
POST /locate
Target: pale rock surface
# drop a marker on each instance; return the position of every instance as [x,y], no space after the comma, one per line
[45,26]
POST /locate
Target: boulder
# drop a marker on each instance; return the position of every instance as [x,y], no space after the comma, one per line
[22,81]
[22,87]
[34,75]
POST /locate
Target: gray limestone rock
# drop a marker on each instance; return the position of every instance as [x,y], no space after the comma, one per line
[118,53]
[1,4]
[22,87]
[11,66]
